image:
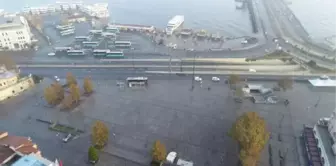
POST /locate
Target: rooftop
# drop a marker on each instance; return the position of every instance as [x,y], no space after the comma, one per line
[32,160]
[325,138]
[19,144]
[323,82]
[7,22]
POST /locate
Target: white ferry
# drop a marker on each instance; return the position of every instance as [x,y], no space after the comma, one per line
[174,23]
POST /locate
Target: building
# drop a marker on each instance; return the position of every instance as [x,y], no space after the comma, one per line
[15,33]
[99,10]
[11,85]
[320,142]
[21,151]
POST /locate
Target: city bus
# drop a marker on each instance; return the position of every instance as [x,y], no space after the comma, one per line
[82,38]
[67,32]
[100,53]
[92,44]
[137,81]
[109,35]
[123,44]
[75,53]
[95,32]
[115,54]
[112,29]
[58,49]
[65,27]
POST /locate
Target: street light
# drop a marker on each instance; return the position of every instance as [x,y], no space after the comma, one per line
[133,58]
[193,75]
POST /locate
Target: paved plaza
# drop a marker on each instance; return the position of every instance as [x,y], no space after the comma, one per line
[192,123]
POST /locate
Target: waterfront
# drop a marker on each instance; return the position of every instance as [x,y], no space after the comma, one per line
[222,18]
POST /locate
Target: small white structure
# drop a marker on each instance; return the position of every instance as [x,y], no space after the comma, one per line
[323,81]
[99,10]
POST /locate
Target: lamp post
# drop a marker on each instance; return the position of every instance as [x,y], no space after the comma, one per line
[193,74]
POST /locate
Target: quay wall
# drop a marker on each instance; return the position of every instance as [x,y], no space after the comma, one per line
[252,16]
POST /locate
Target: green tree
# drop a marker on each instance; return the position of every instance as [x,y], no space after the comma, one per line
[75,93]
[159,152]
[251,133]
[100,134]
[93,154]
[50,95]
[70,79]
[286,83]
[233,80]
[87,85]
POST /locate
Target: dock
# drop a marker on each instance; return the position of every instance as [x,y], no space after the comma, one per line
[134,27]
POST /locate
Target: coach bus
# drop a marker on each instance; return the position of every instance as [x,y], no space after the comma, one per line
[115,55]
[99,53]
[76,53]
[92,44]
[123,44]
[134,81]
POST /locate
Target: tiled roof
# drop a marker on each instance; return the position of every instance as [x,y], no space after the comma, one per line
[10,144]
[5,153]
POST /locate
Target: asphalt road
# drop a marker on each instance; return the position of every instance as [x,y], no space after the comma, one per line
[122,74]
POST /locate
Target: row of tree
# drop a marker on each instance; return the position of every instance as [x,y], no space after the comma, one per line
[99,139]
[54,94]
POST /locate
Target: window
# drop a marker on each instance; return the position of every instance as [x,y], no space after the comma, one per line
[21,87]
[13,91]
[6,33]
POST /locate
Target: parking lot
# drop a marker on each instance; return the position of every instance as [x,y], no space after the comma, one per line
[192,123]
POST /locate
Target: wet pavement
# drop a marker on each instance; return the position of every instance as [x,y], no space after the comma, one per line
[192,123]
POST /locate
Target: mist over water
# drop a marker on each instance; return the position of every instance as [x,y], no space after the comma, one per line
[317,16]
[216,16]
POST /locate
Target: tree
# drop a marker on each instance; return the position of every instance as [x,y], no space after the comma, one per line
[70,79]
[87,85]
[285,83]
[93,154]
[159,152]
[67,102]
[233,80]
[251,133]
[58,90]
[75,93]
[100,134]
[50,95]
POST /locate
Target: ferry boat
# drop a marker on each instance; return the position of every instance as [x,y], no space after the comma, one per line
[174,23]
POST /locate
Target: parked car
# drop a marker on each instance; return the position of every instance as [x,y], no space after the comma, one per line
[67,138]
[56,78]
[198,79]
[252,70]
[215,79]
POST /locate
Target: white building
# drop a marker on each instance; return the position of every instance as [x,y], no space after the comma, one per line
[99,10]
[320,142]
[15,33]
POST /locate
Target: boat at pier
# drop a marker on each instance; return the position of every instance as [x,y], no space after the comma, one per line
[133,27]
[174,23]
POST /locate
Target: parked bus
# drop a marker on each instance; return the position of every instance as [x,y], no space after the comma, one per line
[115,54]
[100,53]
[109,35]
[62,49]
[123,44]
[65,27]
[75,53]
[92,44]
[67,32]
[82,38]
[95,32]
[112,29]
[137,81]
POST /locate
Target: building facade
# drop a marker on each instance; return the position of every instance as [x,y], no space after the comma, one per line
[11,85]
[15,33]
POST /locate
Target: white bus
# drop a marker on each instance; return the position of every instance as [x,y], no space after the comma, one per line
[75,52]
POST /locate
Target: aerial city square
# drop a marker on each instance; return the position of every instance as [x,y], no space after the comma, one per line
[167,83]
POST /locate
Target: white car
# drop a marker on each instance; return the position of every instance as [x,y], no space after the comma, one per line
[215,79]
[67,138]
[252,70]
[56,78]
[51,54]
[197,78]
